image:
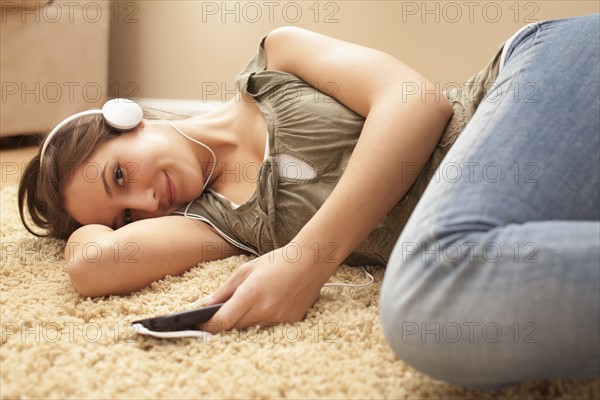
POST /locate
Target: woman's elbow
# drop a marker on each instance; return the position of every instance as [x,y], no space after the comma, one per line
[446,109]
[437,111]
[83,275]
[82,278]
[78,275]
[432,99]
[86,268]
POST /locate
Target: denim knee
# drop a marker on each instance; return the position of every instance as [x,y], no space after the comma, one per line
[402,315]
[421,324]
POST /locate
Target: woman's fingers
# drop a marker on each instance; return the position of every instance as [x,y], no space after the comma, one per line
[229,314]
[233,309]
[226,290]
[266,291]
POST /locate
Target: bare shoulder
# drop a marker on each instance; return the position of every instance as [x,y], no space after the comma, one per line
[362,76]
[277,44]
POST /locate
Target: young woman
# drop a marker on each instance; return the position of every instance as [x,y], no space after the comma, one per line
[270,159]
[307,178]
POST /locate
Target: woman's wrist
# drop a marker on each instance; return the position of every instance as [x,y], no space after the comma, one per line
[322,253]
[329,238]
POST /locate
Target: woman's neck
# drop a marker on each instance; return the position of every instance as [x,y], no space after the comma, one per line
[215,128]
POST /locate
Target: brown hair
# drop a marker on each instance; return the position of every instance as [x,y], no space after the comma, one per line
[41,189]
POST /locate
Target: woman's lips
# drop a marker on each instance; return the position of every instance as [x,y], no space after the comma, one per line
[171,190]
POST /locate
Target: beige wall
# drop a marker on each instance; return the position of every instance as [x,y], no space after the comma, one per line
[187,49]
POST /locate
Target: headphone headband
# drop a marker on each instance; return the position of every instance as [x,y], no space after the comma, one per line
[120,114]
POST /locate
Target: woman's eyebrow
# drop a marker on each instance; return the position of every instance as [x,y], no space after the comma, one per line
[109,193]
[104,182]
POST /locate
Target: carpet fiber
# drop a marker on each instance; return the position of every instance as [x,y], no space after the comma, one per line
[57,344]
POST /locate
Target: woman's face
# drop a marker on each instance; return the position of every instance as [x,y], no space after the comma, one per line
[146,173]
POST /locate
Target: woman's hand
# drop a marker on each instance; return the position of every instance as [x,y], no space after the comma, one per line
[279,286]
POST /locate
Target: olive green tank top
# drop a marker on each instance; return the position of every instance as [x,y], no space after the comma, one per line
[310,138]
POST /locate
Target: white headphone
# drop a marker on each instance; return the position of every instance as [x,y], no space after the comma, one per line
[121,114]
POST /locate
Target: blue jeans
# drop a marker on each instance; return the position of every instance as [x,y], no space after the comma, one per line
[496,277]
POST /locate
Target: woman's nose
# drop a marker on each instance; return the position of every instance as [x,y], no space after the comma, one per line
[144,200]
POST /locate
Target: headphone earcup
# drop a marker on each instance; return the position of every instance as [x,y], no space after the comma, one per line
[122,114]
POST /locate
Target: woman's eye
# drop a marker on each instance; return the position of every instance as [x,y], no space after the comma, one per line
[128,218]
[119,176]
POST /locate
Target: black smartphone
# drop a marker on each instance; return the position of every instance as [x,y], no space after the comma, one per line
[180,321]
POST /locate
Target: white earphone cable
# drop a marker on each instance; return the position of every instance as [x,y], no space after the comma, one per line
[203,145]
[354,285]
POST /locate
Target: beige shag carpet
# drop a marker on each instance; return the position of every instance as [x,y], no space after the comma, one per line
[57,344]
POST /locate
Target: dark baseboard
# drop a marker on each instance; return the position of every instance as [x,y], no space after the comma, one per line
[19,141]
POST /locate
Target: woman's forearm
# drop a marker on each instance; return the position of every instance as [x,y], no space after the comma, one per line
[399,135]
[400,132]
[101,261]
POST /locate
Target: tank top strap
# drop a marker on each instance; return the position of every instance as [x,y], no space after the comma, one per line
[255,80]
